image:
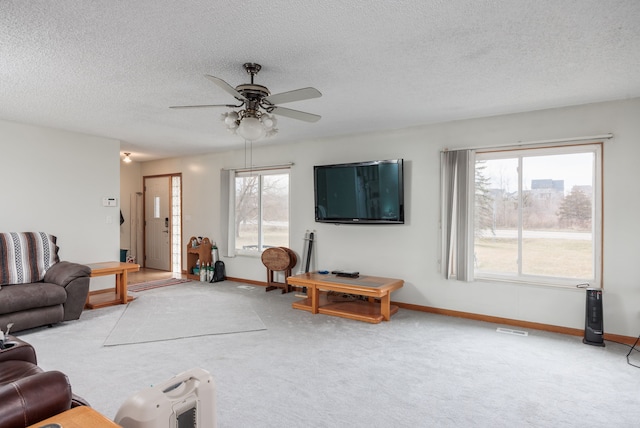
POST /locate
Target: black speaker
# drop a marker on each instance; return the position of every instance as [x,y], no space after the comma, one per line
[593,326]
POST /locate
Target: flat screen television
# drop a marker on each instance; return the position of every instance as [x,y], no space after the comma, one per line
[360,193]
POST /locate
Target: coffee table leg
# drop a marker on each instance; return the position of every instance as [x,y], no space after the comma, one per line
[118,286]
[123,287]
[315,297]
[385,306]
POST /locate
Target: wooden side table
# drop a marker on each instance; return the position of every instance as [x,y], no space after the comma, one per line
[78,417]
[278,259]
[96,299]
[200,252]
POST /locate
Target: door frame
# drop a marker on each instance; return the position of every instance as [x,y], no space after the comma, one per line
[144,216]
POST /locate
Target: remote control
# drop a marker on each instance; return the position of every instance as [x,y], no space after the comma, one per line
[346,274]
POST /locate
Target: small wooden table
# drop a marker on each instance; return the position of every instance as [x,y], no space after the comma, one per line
[278,259]
[78,417]
[115,296]
[372,287]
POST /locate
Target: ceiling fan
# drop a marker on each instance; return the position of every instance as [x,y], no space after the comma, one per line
[255,119]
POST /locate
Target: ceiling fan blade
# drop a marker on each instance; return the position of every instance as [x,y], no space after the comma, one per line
[206,106]
[295,114]
[295,95]
[227,87]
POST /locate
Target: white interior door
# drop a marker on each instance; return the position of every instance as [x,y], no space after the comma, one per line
[158,223]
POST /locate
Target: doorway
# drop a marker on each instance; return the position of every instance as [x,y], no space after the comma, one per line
[163,222]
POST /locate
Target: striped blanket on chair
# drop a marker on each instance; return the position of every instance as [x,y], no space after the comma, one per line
[26,256]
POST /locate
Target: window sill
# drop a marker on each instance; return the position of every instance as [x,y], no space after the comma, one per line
[577,285]
[249,254]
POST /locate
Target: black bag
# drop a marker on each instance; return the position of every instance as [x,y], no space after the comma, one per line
[218,271]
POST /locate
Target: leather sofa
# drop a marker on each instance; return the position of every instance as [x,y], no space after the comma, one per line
[38,289]
[28,394]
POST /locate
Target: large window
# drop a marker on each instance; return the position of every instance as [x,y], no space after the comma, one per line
[536,216]
[261,210]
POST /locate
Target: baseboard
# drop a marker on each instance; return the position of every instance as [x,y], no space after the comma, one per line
[486,318]
[621,339]
[511,322]
[246,281]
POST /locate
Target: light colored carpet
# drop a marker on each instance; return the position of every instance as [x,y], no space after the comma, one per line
[319,371]
[153,318]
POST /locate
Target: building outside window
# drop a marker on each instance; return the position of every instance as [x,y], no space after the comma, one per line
[538,215]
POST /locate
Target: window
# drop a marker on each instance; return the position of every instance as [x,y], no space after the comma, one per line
[261,217]
[156,207]
[536,216]
[176,224]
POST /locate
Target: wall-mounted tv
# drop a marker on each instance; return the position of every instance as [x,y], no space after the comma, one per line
[360,193]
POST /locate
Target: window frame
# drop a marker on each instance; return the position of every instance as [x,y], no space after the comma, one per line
[261,173]
[597,213]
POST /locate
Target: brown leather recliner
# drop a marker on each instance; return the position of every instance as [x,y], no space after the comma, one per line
[27,393]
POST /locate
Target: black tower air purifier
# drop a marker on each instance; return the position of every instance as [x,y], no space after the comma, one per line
[593,330]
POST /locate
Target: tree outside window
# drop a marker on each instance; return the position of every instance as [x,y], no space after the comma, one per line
[262,210]
[534,215]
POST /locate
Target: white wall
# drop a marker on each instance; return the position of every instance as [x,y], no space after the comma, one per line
[411,251]
[54,181]
[130,185]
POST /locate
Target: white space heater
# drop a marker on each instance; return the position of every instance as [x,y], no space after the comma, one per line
[187,400]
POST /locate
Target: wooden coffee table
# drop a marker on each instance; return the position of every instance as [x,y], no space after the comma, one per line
[374,288]
[110,297]
[78,417]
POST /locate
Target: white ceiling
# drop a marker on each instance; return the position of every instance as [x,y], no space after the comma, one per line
[112,68]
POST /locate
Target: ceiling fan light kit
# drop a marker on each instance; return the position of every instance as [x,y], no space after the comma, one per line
[255,119]
[250,126]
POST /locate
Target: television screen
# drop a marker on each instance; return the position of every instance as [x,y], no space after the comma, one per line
[363,192]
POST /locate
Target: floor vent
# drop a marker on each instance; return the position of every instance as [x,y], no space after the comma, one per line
[246,287]
[514,332]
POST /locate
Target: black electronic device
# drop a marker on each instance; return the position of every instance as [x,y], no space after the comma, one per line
[369,192]
[593,323]
[346,274]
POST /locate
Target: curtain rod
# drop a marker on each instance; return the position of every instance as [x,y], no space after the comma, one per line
[538,142]
[260,167]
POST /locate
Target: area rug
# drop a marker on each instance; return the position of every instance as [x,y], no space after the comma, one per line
[156,284]
[153,318]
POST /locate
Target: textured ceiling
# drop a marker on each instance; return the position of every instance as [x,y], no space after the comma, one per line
[112,68]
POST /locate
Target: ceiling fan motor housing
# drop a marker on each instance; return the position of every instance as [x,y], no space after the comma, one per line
[251,91]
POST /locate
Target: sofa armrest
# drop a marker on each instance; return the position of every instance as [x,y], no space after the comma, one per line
[75,279]
[18,350]
[62,273]
[34,398]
